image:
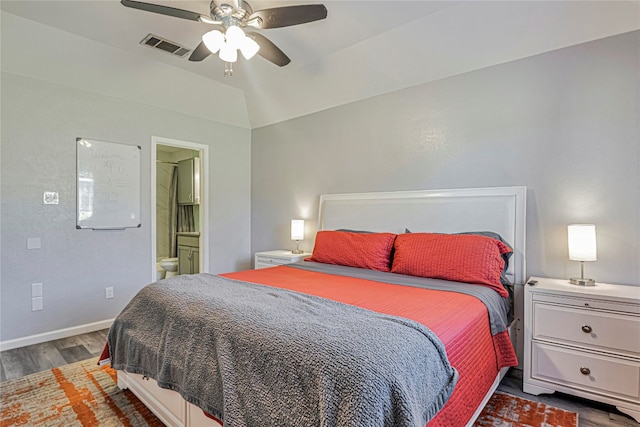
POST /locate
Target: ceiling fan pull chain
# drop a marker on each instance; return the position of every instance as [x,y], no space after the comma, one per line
[228,69]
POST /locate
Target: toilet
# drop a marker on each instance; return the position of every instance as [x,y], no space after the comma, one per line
[159,271]
[170,266]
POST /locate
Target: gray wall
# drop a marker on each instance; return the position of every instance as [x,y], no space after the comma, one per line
[40,122]
[565,124]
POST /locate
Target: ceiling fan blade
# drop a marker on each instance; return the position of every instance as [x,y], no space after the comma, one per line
[163,10]
[288,15]
[270,51]
[199,53]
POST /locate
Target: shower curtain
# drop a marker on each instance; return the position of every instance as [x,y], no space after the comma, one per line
[181,218]
[173,213]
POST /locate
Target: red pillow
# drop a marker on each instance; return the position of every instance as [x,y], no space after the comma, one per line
[458,257]
[362,250]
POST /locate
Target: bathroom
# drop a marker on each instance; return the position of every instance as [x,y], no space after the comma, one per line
[177,211]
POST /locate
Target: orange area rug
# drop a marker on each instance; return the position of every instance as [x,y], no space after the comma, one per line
[84,394]
[505,410]
[79,394]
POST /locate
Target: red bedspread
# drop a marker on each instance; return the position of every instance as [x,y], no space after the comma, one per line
[460,321]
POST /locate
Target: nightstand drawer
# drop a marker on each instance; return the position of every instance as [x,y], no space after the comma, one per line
[588,371]
[591,303]
[270,262]
[279,257]
[607,331]
[265,264]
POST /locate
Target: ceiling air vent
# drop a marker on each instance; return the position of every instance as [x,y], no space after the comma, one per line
[165,45]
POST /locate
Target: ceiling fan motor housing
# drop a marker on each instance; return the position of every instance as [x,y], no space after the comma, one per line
[230,16]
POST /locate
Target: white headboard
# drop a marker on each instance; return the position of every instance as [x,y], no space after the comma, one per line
[498,209]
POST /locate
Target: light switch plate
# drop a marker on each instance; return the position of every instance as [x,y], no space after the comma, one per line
[36,289]
[50,198]
[34,243]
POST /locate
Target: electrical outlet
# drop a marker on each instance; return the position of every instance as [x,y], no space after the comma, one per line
[108,292]
[36,304]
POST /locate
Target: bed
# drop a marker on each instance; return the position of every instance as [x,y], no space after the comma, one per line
[377,327]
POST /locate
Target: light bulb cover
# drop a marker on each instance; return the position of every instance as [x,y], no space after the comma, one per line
[235,36]
[228,53]
[249,48]
[213,40]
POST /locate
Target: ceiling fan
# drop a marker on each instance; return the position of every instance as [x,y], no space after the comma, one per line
[231,16]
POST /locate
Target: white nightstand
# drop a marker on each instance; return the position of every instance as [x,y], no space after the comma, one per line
[584,341]
[273,258]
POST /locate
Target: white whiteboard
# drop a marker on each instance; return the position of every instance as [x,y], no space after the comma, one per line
[108,185]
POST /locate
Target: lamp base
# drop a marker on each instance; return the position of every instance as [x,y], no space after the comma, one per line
[297,251]
[580,281]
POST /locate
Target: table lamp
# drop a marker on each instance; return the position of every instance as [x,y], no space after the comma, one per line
[297,234]
[582,247]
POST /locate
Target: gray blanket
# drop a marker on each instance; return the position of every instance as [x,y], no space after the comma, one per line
[254,355]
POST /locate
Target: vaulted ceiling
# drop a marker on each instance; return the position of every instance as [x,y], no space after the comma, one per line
[363,49]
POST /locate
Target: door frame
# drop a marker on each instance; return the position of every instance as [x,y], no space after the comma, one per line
[204,197]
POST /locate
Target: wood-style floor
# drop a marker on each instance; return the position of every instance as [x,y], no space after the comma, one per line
[23,361]
[40,357]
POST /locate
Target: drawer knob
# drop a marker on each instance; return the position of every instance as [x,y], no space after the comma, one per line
[585,371]
[586,329]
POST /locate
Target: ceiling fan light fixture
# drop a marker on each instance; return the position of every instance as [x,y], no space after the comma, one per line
[228,53]
[213,40]
[249,48]
[235,36]
[231,17]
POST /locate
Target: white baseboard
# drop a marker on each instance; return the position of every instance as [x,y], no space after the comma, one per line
[54,335]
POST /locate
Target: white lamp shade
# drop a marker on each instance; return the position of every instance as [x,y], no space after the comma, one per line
[235,36]
[249,48]
[582,242]
[297,229]
[213,40]
[228,53]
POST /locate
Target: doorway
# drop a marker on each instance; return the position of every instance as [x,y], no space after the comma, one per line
[163,153]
